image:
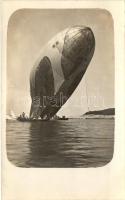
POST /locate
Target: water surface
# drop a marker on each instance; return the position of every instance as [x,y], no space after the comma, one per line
[71,143]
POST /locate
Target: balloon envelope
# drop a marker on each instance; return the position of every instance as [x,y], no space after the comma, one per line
[59,69]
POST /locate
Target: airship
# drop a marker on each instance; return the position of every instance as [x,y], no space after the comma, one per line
[59,69]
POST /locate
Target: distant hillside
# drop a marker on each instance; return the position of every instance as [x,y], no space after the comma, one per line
[109,111]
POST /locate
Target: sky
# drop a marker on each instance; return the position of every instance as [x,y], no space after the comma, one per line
[30,29]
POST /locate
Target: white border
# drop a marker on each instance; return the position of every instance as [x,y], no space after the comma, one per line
[84,184]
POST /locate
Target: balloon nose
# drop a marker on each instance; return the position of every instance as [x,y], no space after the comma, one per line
[78,43]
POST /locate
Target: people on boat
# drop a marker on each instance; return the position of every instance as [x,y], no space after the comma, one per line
[23,116]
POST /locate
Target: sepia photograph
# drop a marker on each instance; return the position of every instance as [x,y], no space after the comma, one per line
[60,88]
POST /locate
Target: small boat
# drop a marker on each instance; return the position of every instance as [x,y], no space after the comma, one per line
[62,118]
[30,120]
[24,118]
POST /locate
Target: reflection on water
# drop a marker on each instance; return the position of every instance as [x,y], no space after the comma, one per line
[72,143]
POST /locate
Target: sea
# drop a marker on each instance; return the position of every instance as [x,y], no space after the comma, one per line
[73,143]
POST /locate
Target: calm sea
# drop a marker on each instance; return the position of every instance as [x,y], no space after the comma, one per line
[71,143]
